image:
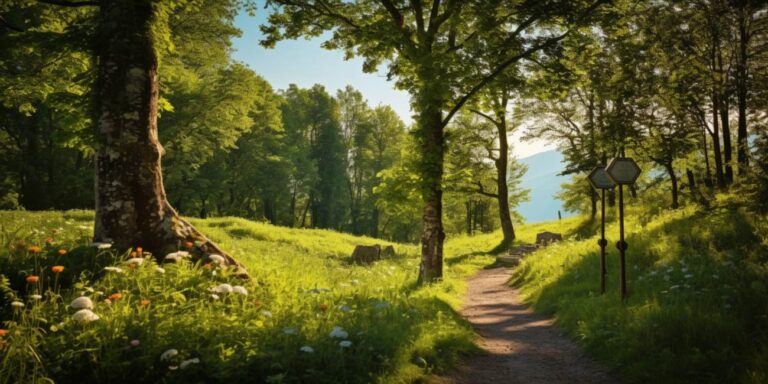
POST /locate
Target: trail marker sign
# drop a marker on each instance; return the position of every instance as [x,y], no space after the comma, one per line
[600,180]
[623,170]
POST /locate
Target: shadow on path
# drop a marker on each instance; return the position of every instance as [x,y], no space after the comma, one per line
[521,346]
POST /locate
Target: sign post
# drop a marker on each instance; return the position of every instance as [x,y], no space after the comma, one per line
[623,171]
[600,180]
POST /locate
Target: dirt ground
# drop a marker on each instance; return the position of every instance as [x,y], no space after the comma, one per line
[521,346]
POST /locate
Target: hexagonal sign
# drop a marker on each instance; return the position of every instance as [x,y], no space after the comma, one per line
[600,180]
[623,170]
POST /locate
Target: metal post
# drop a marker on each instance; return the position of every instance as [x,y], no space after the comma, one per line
[602,242]
[622,246]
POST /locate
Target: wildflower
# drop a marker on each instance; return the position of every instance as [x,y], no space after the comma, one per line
[144,302]
[3,332]
[169,354]
[217,259]
[133,254]
[36,297]
[339,333]
[188,244]
[176,256]
[266,313]
[116,296]
[17,304]
[189,362]
[113,269]
[240,289]
[34,249]
[85,315]
[306,349]
[289,330]
[62,252]
[345,344]
[139,250]
[159,270]
[688,275]
[57,268]
[134,261]
[135,343]
[101,245]
[32,279]
[214,296]
[323,307]
[222,288]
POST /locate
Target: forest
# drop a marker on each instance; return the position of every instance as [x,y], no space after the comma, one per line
[133,138]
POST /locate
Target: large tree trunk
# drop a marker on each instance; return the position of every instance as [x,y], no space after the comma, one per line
[432,150]
[131,205]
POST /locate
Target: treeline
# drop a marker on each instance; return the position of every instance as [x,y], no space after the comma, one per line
[678,85]
[232,144]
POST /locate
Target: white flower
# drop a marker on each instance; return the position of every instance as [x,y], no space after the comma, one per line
[266,313]
[169,354]
[17,304]
[345,344]
[113,269]
[217,259]
[306,349]
[160,270]
[36,297]
[135,343]
[85,315]
[222,288]
[289,331]
[100,245]
[186,363]
[98,293]
[81,302]
[688,276]
[214,296]
[339,332]
[240,289]
[134,260]
[176,256]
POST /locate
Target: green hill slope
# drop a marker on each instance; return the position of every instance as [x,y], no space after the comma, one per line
[308,316]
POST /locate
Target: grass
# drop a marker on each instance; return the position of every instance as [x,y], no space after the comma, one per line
[303,287]
[698,304]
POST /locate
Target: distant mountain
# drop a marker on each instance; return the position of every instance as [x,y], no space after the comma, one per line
[543,180]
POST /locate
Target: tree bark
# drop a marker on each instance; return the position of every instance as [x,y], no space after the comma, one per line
[131,205]
[741,94]
[432,143]
[716,141]
[501,183]
[727,149]
[673,178]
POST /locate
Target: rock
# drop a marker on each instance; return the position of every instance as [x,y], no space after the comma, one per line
[546,238]
[366,254]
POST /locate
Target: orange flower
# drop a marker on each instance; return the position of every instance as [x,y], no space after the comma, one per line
[208,266]
[144,302]
[139,250]
[34,249]
[133,254]
[3,332]
[132,266]
[32,279]
[115,296]
[57,268]
[62,252]
[188,244]
[49,240]
[323,307]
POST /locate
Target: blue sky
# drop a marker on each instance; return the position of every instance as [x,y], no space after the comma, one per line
[305,63]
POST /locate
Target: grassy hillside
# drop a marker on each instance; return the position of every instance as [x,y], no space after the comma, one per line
[698,304]
[283,330]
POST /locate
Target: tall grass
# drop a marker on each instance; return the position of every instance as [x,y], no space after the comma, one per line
[698,305]
[309,314]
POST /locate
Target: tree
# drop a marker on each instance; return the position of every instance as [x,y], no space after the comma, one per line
[431,49]
[131,205]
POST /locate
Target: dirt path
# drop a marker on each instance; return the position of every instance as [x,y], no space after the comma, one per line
[522,346]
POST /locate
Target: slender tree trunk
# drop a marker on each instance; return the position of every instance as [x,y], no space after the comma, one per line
[705,151]
[727,149]
[716,141]
[501,184]
[691,183]
[673,179]
[741,95]
[432,151]
[131,205]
